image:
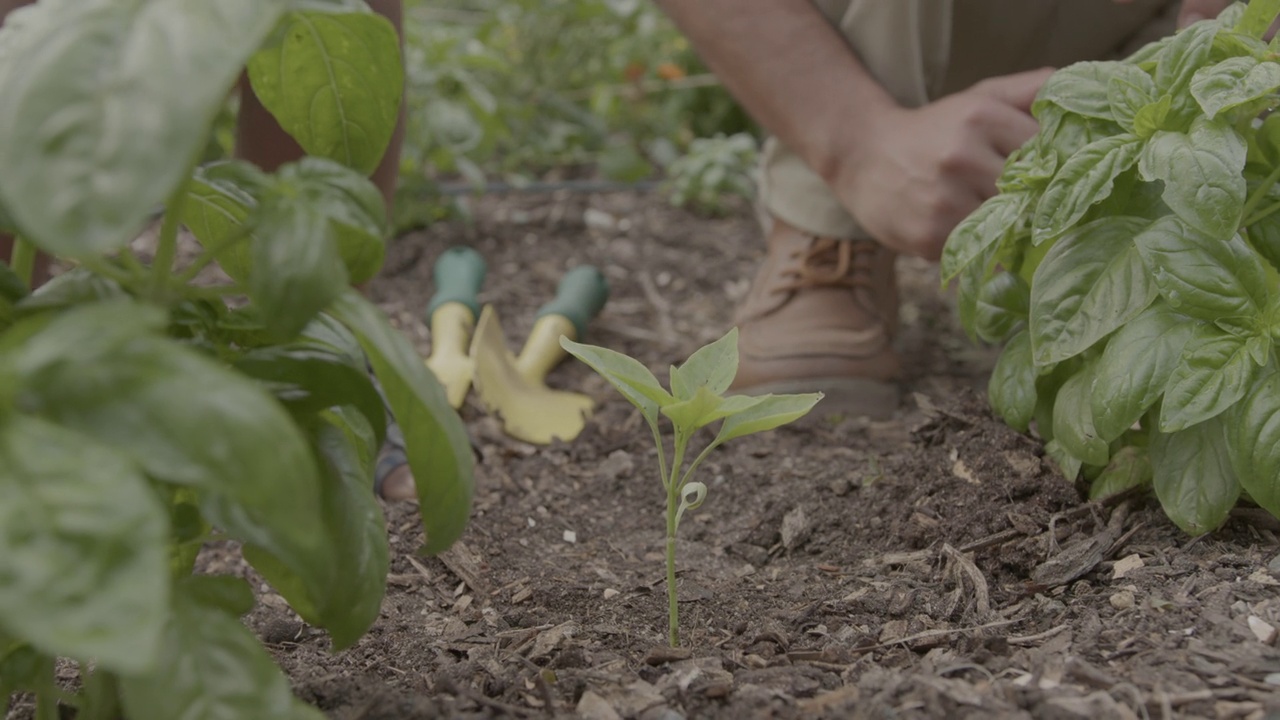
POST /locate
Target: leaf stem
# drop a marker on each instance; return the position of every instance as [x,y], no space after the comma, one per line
[23,260]
[210,255]
[167,248]
[47,693]
[673,505]
[662,455]
[1261,214]
[1260,194]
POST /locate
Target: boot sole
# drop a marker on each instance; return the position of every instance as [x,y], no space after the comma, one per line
[874,399]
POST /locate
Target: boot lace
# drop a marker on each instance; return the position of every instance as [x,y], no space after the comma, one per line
[831,263]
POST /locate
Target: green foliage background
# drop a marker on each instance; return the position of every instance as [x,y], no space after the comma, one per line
[508,90]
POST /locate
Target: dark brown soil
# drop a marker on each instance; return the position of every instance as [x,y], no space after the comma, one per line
[931,566]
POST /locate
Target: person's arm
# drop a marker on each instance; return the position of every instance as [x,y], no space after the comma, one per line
[907,175]
[790,69]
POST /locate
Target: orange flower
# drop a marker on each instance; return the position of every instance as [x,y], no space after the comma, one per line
[670,71]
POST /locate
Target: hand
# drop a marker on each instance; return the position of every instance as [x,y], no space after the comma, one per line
[921,171]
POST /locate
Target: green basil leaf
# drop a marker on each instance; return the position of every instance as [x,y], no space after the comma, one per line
[1129,468]
[1129,89]
[1069,465]
[771,411]
[1012,387]
[1029,170]
[982,230]
[334,82]
[1203,276]
[1193,477]
[309,379]
[712,366]
[161,403]
[1183,56]
[354,531]
[83,567]
[107,103]
[1091,282]
[1086,178]
[74,287]
[1256,17]
[1153,117]
[1202,174]
[210,666]
[217,210]
[1134,369]
[229,594]
[1063,134]
[435,439]
[1234,82]
[1073,420]
[1080,88]
[1003,305]
[1254,437]
[1214,372]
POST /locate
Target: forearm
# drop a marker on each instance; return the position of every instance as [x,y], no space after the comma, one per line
[791,70]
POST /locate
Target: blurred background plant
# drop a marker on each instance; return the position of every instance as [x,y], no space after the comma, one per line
[509,94]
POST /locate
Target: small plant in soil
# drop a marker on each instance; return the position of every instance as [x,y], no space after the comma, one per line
[696,400]
[142,413]
[1129,264]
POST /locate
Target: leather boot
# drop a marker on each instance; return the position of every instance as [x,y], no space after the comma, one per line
[821,316]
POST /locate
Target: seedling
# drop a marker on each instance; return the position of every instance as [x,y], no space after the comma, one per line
[696,400]
[1129,263]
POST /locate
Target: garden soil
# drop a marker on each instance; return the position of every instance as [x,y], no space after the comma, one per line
[932,565]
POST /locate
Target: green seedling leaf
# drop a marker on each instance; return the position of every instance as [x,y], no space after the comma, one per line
[354,531]
[1129,89]
[1253,433]
[82,548]
[1129,468]
[333,82]
[1090,283]
[1234,82]
[1214,372]
[1201,170]
[438,449]
[1086,178]
[636,383]
[76,181]
[21,667]
[210,666]
[1073,420]
[1012,387]
[1202,276]
[1081,88]
[977,234]
[772,411]
[1069,465]
[1135,368]
[1193,477]
[698,411]
[712,367]
[1004,304]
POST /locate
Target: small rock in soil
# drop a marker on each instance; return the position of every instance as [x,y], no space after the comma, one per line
[593,707]
[1122,600]
[795,528]
[664,654]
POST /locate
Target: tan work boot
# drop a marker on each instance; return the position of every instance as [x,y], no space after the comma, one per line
[821,316]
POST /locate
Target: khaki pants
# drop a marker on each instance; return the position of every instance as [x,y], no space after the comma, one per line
[920,50]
